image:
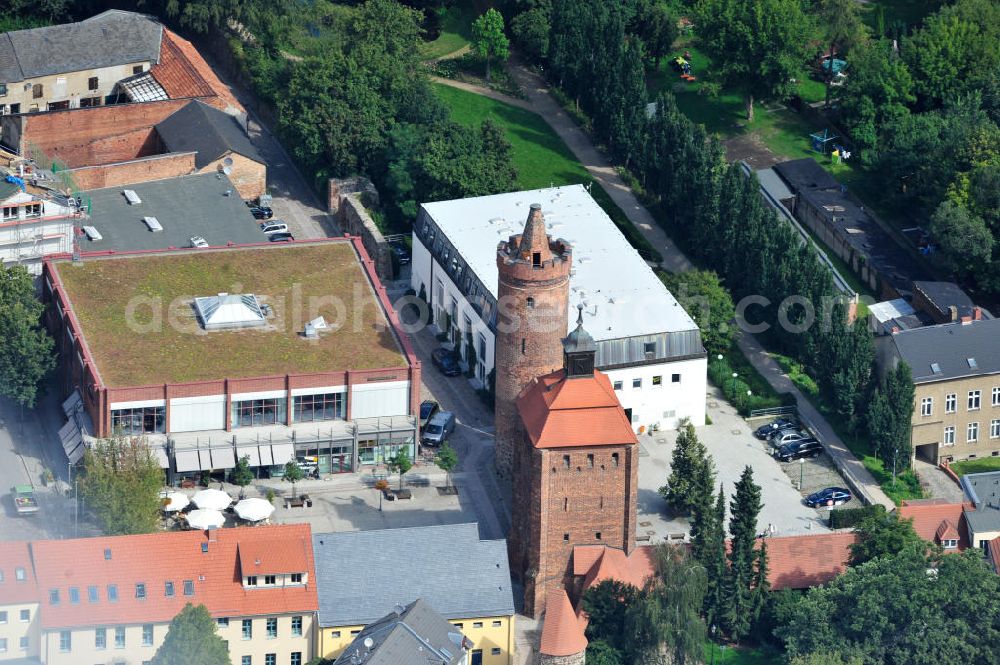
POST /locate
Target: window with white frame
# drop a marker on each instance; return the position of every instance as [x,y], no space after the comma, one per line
[974,396]
[617,385]
[972,433]
[950,403]
[297,626]
[995,428]
[996,396]
[637,383]
[100,638]
[65,641]
[272,628]
[949,544]
[926,406]
[949,435]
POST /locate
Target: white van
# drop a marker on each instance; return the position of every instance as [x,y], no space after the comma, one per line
[274,227]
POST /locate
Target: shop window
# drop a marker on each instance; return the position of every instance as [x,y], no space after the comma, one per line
[133,422]
[311,408]
[259,412]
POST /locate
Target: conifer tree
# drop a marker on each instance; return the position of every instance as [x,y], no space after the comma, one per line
[744,509]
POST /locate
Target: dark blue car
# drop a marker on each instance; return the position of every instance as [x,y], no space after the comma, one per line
[831,496]
[445,361]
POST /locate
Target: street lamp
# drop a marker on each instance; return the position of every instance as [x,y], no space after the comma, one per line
[734,381]
[718,357]
[802,466]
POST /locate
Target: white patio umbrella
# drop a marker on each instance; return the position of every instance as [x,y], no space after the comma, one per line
[205,519]
[175,501]
[212,499]
[254,510]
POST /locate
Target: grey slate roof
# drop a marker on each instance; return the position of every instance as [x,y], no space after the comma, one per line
[942,295]
[193,205]
[114,37]
[460,575]
[207,130]
[983,489]
[950,346]
[416,635]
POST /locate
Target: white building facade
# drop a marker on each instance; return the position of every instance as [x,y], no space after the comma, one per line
[32,227]
[649,347]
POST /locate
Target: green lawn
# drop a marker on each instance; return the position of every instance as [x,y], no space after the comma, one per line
[456,32]
[976,466]
[716,654]
[540,156]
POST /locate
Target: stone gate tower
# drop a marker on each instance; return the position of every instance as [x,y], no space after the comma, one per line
[532,301]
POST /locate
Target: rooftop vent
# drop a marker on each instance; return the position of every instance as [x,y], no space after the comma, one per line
[935,368]
[132,198]
[226,311]
[153,223]
[92,233]
[972,363]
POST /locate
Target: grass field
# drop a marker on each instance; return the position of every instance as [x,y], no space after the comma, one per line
[137,317]
[976,466]
[456,31]
[540,156]
[719,655]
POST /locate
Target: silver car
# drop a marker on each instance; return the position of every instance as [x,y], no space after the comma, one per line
[438,428]
[781,437]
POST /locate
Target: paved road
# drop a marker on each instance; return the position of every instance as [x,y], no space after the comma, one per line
[293,201]
[936,482]
[850,466]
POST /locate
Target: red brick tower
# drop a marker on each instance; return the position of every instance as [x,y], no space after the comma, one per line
[532,300]
[575,472]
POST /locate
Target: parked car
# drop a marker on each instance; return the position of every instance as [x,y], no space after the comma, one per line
[427,409]
[831,496]
[261,212]
[799,449]
[401,252]
[438,429]
[783,436]
[445,361]
[280,237]
[274,227]
[25,502]
[773,426]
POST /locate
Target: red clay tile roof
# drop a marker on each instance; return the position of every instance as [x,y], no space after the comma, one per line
[155,559]
[946,531]
[559,412]
[928,514]
[803,561]
[270,558]
[994,553]
[609,563]
[15,556]
[184,73]
[562,630]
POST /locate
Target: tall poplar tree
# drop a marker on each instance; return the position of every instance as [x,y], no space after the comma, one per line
[743,608]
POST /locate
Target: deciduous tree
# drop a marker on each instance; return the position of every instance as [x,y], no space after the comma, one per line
[292,474]
[447,461]
[243,474]
[531,30]
[756,46]
[26,349]
[121,481]
[885,535]
[400,463]
[192,639]
[842,28]
[488,38]
[708,302]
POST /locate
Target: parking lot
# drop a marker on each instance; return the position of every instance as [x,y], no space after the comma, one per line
[732,445]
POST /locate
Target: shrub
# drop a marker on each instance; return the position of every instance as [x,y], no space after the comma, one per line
[846,518]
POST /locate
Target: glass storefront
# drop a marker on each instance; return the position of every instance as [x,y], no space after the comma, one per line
[312,408]
[380,448]
[257,412]
[144,420]
[335,457]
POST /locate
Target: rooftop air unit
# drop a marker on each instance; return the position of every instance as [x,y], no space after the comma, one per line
[92,233]
[132,198]
[153,223]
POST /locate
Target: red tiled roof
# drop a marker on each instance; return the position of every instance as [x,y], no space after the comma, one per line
[808,560]
[270,558]
[559,412]
[928,515]
[562,630]
[157,558]
[184,73]
[946,531]
[609,563]
[994,553]
[14,556]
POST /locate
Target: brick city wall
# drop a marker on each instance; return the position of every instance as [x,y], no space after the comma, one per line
[346,201]
[248,177]
[156,167]
[531,350]
[114,132]
[574,659]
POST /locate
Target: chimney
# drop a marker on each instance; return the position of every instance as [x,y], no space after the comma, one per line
[852,312]
[966,320]
[977,313]
[953,310]
[896,329]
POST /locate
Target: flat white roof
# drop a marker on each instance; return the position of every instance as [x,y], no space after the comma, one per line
[622,296]
[891,309]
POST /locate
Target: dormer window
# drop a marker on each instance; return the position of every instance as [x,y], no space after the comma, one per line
[949,544]
[296,578]
[252,580]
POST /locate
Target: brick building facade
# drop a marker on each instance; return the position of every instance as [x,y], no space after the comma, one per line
[575,472]
[533,296]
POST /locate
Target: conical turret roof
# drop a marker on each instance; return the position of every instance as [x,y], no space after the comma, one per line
[534,240]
